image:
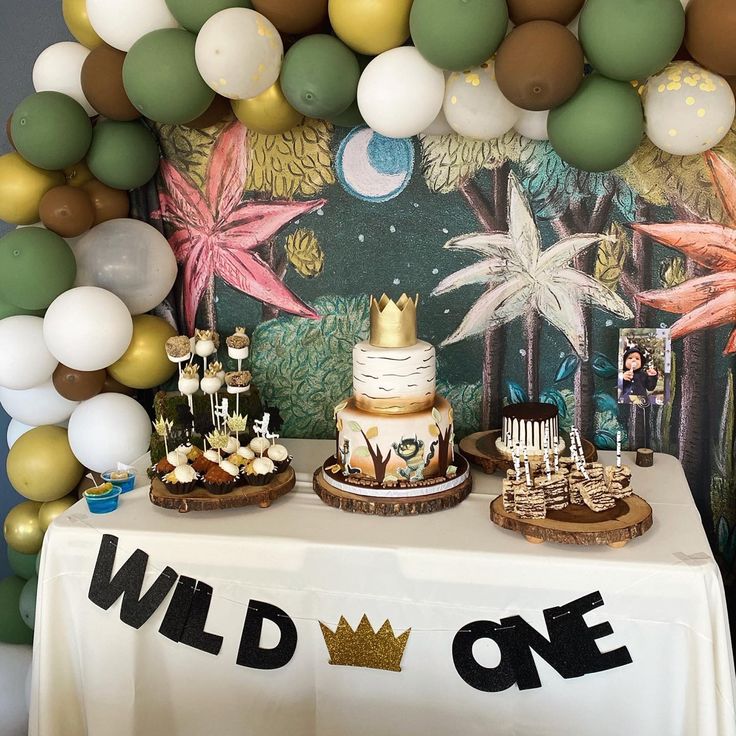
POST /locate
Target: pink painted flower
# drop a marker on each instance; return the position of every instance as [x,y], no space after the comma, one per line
[216,233]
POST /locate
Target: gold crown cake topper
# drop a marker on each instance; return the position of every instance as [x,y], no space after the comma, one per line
[364,647]
[394,324]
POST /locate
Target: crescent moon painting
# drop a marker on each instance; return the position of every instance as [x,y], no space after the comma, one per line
[374,168]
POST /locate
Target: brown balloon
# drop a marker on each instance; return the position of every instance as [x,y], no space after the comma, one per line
[102,84]
[78,385]
[539,65]
[293,17]
[108,203]
[560,11]
[67,211]
[218,110]
[111,386]
[710,34]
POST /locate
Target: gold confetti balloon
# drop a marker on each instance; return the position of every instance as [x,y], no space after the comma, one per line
[475,106]
[688,109]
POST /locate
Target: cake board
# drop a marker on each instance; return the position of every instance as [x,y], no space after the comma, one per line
[480,448]
[629,518]
[394,506]
[200,499]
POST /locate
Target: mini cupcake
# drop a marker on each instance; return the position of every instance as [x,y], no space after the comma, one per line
[178,349]
[221,480]
[238,382]
[259,445]
[237,459]
[181,480]
[232,446]
[202,464]
[280,456]
[177,458]
[213,456]
[162,467]
[193,453]
[260,471]
[238,344]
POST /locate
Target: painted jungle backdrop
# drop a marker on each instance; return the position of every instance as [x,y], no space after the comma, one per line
[526,269]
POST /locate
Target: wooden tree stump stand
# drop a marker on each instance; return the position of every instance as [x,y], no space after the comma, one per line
[644,457]
[480,448]
[629,518]
[202,500]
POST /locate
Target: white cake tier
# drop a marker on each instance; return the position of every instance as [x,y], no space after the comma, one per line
[394,380]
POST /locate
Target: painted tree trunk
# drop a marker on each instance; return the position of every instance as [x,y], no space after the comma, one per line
[443,449]
[379,462]
[208,306]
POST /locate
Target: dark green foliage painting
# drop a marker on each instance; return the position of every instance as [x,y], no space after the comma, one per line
[526,269]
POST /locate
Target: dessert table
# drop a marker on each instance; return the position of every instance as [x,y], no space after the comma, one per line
[658,602]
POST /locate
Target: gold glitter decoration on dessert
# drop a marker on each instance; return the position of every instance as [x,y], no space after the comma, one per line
[191,371]
[237,423]
[212,370]
[207,335]
[238,340]
[364,647]
[217,439]
[163,426]
[394,324]
[179,346]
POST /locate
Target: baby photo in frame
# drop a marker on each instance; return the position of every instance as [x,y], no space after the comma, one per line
[644,366]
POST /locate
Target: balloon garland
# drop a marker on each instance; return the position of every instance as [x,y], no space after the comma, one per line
[75,336]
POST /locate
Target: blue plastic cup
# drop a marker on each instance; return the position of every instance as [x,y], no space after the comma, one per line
[103,503]
[124,484]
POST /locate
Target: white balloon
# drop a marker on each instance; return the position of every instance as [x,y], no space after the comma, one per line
[42,404]
[439,126]
[400,93]
[25,361]
[15,664]
[128,257]
[87,328]
[108,429]
[239,53]
[121,23]
[533,124]
[688,109]
[59,69]
[17,429]
[474,105]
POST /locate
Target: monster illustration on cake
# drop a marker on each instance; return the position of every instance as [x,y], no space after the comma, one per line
[394,435]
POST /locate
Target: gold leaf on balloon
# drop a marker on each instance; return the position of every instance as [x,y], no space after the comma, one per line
[304,253]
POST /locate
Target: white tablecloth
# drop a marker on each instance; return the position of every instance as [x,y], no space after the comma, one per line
[662,595]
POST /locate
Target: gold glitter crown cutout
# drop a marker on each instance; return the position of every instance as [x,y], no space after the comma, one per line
[364,647]
[394,324]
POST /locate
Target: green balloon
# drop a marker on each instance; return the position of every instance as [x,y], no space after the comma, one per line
[36,265]
[122,155]
[11,310]
[24,566]
[12,628]
[631,39]
[458,34]
[319,76]
[161,77]
[600,127]
[51,130]
[348,118]
[193,14]
[27,602]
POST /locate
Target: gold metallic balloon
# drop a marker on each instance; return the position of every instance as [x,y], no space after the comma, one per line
[51,509]
[21,188]
[41,465]
[268,113]
[145,363]
[371,26]
[22,529]
[77,21]
[78,175]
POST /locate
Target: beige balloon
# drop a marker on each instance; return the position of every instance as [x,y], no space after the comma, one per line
[22,529]
[51,509]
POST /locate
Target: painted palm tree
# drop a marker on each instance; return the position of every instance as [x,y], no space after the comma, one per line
[214,232]
[521,277]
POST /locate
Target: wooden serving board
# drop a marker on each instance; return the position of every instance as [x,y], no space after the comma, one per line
[480,449]
[202,500]
[377,506]
[628,519]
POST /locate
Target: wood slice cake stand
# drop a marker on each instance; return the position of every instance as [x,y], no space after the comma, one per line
[393,506]
[628,519]
[480,448]
[200,499]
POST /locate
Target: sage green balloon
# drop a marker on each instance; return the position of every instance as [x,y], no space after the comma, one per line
[319,76]
[348,118]
[161,77]
[193,14]
[11,310]
[27,602]
[51,130]
[24,566]
[123,155]
[631,39]
[458,34]
[12,628]
[36,265]
[600,126]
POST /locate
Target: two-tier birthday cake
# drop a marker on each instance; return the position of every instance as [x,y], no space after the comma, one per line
[394,435]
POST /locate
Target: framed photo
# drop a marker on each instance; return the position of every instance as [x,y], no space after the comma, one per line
[644,366]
